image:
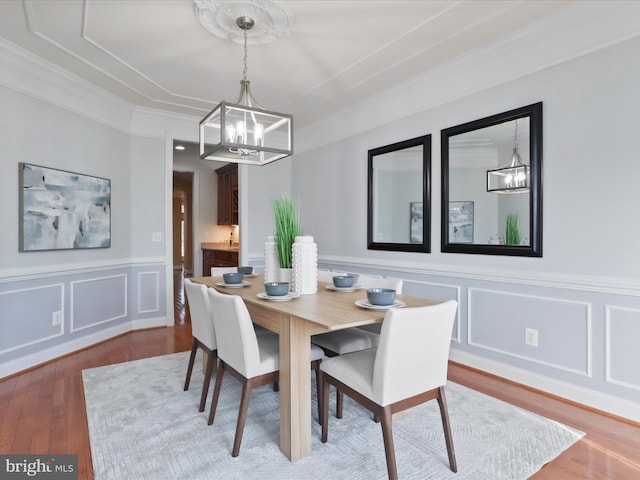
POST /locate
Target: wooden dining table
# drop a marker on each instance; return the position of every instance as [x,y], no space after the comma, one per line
[295,321]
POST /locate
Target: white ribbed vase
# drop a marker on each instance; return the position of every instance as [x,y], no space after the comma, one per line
[304,277]
[271,263]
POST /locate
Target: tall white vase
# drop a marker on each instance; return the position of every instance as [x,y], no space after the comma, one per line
[271,263]
[304,277]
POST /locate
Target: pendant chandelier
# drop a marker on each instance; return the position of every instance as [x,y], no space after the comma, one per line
[244,132]
[513,176]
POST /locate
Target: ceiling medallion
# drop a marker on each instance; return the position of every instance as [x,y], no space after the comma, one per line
[273,19]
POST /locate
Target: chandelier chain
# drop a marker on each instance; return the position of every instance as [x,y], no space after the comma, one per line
[244,71]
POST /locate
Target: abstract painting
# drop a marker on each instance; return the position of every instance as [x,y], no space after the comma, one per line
[461,222]
[415,221]
[62,210]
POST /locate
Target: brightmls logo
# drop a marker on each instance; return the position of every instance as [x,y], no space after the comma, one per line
[50,467]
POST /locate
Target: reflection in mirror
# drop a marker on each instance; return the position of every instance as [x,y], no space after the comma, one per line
[481,162]
[399,196]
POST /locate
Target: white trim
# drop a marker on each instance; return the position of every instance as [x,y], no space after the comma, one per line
[144,323]
[608,309]
[584,396]
[43,339]
[157,278]
[28,361]
[106,320]
[612,285]
[66,269]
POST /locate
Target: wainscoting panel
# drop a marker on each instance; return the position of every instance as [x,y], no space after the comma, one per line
[93,301]
[87,306]
[498,320]
[26,322]
[148,292]
[622,347]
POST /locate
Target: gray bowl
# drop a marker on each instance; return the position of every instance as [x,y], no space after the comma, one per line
[381,296]
[245,270]
[343,281]
[276,289]
[232,278]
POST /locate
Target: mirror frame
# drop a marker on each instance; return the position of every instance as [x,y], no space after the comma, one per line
[534,249]
[425,246]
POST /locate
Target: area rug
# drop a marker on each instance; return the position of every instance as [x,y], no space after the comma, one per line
[142,425]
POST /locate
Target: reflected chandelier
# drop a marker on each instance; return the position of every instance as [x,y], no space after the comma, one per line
[513,176]
[244,132]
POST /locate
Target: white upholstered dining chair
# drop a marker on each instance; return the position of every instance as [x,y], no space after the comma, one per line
[250,358]
[219,271]
[203,333]
[350,340]
[408,368]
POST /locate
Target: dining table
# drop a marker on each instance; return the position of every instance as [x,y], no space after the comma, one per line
[296,318]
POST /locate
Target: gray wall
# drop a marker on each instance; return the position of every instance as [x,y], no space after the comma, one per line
[583,295]
[99,292]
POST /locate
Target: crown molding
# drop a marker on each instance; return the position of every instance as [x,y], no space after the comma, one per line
[579,29]
[31,75]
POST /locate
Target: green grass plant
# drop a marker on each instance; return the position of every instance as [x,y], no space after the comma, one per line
[287,219]
[512,234]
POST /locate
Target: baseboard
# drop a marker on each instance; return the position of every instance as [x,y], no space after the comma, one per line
[584,396]
[18,365]
[149,323]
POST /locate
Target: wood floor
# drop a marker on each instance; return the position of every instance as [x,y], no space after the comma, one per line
[42,410]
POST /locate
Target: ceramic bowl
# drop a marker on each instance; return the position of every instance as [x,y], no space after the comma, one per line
[276,289]
[245,270]
[343,281]
[232,278]
[381,296]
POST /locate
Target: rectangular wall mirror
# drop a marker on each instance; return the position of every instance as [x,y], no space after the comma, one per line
[492,184]
[399,204]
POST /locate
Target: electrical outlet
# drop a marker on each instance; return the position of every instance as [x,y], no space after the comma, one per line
[56,318]
[531,337]
[156,237]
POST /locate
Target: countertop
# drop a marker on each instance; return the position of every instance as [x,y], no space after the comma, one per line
[219,246]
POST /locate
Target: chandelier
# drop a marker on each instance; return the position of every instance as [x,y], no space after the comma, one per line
[244,132]
[513,176]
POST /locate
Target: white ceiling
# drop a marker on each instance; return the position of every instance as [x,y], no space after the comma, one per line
[156,53]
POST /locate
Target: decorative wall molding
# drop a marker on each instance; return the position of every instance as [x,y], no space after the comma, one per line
[530,302]
[609,285]
[87,298]
[38,78]
[156,281]
[48,271]
[570,33]
[630,336]
[591,398]
[60,332]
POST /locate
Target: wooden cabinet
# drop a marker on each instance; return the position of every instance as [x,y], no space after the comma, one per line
[218,258]
[228,194]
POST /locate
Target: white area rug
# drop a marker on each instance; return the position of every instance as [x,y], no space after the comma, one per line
[142,425]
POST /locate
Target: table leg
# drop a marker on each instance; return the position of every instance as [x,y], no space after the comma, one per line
[295,389]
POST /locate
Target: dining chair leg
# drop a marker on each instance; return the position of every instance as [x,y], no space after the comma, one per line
[387,435]
[194,349]
[339,403]
[216,391]
[446,425]
[242,416]
[315,365]
[325,406]
[211,360]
